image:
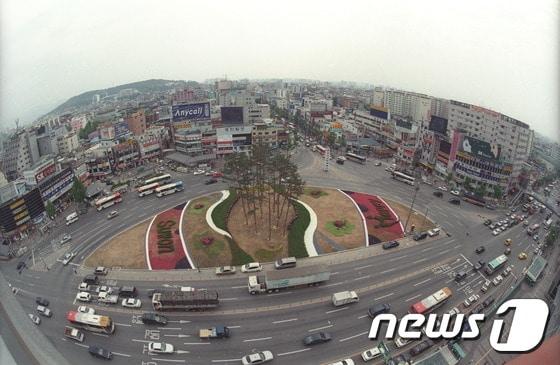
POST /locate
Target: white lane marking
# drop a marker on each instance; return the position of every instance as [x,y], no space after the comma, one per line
[414,297]
[450,242]
[320,328]
[363,267]
[283,293]
[120,354]
[122,324]
[135,340]
[169,360]
[384,296]
[397,258]
[428,249]
[457,246]
[285,320]
[417,261]
[336,310]
[256,339]
[170,328]
[351,337]
[329,285]
[80,344]
[196,343]
[386,271]
[422,282]
[293,352]
[364,316]
[448,281]
[233,360]
[362,277]
[100,334]
[239,287]
[228,298]
[444,251]
[234,326]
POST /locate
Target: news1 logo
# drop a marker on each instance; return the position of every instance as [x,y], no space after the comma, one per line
[526,330]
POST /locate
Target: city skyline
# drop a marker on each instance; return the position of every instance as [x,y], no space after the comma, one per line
[49,56]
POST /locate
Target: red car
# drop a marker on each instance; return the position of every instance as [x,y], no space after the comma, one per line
[217,174]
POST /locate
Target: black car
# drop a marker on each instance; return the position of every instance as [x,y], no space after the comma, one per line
[20,265]
[403,358]
[378,309]
[460,276]
[316,338]
[487,222]
[154,318]
[479,308]
[100,352]
[439,194]
[42,301]
[488,302]
[390,244]
[211,181]
[421,347]
[420,236]
[479,265]
[479,249]
[455,201]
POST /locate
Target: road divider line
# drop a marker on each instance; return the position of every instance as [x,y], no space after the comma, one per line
[397,258]
[336,310]
[414,297]
[169,360]
[239,287]
[334,284]
[362,267]
[283,293]
[170,328]
[422,282]
[228,299]
[231,360]
[386,271]
[196,343]
[384,296]
[143,341]
[362,277]
[320,328]
[421,260]
[120,354]
[122,324]
[234,326]
[351,337]
[362,317]
[428,249]
[285,320]
[293,352]
[255,339]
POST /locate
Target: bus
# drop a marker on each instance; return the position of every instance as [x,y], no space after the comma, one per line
[159,179]
[169,189]
[108,201]
[356,158]
[71,218]
[91,322]
[403,177]
[322,150]
[147,189]
[533,229]
[431,302]
[473,199]
[495,264]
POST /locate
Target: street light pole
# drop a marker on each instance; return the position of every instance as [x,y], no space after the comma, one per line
[416,188]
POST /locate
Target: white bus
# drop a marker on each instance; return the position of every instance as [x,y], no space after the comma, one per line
[147,189]
[169,189]
[159,179]
[356,158]
[91,322]
[403,177]
[108,201]
[322,150]
[71,218]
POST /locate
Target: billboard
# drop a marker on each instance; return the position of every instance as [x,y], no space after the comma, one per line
[379,112]
[197,111]
[121,129]
[478,148]
[47,171]
[232,115]
[438,124]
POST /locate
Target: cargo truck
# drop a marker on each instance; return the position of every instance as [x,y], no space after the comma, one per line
[73,333]
[275,280]
[214,332]
[344,297]
[179,300]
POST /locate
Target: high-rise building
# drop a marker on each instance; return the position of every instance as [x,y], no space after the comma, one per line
[18,154]
[137,123]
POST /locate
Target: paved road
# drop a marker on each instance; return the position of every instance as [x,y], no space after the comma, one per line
[279,321]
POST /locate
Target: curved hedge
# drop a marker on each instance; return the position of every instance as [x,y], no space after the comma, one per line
[220,216]
[296,234]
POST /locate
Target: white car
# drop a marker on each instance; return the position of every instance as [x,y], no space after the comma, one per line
[67,258]
[131,303]
[83,297]
[86,309]
[160,348]
[65,239]
[198,172]
[34,319]
[84,287]
[400,342]
[104,288]
[371,354]
[257,358]
[454,192]
[536,237]
[433,232]
[496,232]
[44,311]
[251,267]
[497,280]
[343,362]
[454,311]
[442,188]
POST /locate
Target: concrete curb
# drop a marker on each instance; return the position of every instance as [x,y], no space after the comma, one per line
[210,221]
[147,242]
[183,238]
[33,339]
[310,231]
[394,213]
[361,215]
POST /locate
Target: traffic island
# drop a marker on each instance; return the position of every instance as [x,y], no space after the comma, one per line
[420,221]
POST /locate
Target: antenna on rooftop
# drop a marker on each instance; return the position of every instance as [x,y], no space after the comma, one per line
[17,124]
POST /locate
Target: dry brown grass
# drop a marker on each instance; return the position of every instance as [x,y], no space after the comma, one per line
[255,242]
[336,206]
[195,228]
[416,218]
[126,250]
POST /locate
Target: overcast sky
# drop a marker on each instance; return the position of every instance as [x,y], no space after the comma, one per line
[503,55]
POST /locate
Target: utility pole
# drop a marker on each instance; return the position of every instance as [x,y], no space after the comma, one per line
[416,188]
[425,214]
[33,256]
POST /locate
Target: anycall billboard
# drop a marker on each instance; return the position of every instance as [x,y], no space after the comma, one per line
[191,112]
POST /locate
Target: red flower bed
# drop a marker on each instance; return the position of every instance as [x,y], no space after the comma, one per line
[165,250]
[382,223]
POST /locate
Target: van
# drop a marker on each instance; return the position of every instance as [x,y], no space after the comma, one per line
[460,276]
[128,292]
[285,263]
[344,297]
[100,270]
[91,279]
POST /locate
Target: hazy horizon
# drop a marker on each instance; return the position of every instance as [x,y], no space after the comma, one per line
[502,55]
